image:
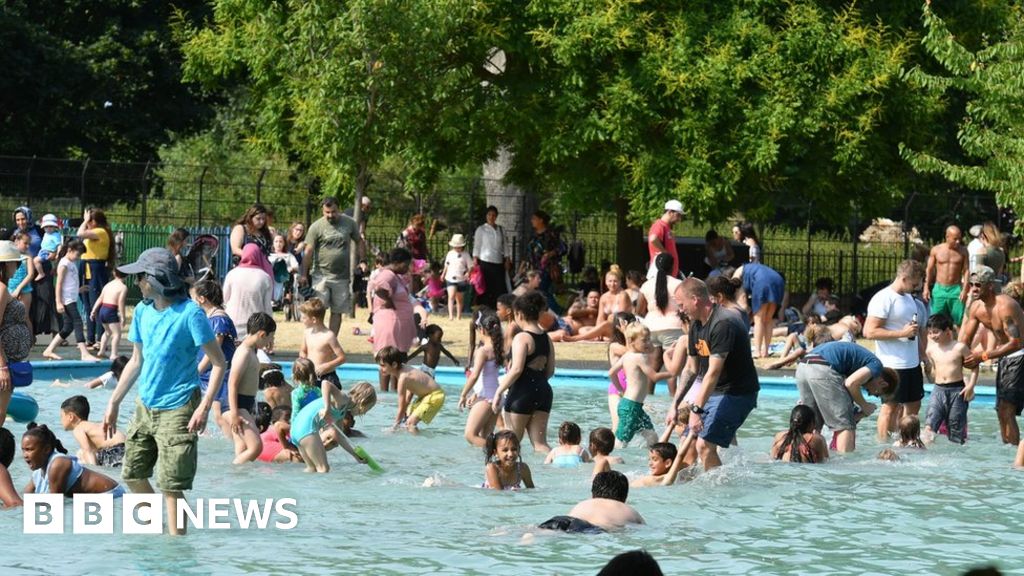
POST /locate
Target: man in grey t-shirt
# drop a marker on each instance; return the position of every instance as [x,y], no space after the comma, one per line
[327,250]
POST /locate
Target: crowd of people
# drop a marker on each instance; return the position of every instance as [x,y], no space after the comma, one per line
[699,337]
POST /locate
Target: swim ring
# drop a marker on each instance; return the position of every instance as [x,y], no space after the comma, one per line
[23,408]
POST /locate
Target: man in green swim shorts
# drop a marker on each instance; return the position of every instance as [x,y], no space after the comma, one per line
[947,270]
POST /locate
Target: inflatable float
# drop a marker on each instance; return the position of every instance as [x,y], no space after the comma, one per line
[23,408]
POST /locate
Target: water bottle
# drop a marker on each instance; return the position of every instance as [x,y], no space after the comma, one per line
[914,321]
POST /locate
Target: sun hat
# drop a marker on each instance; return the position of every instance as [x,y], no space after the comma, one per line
[457,241]
[161,270]
[49,220]
[8,253]
[674,206]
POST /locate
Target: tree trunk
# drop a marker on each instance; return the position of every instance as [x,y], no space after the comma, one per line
[513,203]
[630,241]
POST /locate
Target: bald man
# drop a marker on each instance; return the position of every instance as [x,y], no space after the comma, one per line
[947,270]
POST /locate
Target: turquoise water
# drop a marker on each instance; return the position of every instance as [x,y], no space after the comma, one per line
[939,511]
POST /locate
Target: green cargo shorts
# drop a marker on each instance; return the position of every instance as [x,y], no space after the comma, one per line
[161,438]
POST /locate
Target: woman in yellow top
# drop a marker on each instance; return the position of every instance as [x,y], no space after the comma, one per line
[96,262]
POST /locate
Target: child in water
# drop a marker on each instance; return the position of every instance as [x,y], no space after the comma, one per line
[639,378]
[910,433]
[616,349]
[568,453]
[412,383]
[54,472]
[801,443]
[96,447]
[9,497]
[314,428]
[277,445]
[660,457]
[432,350]
[487,358]
[505,469]
[208,294]
[276,392]
[110,311]
[951,395]
[109,378]
[602,442]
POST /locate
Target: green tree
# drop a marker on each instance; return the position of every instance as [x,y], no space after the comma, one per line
[991,133]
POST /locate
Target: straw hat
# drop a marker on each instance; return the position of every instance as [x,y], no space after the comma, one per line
[457,241]
[8,253]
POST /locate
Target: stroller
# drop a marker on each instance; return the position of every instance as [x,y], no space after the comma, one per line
[201,261]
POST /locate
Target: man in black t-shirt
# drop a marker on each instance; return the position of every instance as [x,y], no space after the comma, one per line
[719,353]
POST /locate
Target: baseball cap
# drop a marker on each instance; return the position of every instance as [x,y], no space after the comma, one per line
[674,206]
[975,230]
[161,269]
[983,275]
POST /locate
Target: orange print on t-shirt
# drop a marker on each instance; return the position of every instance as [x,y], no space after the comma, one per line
[702,348]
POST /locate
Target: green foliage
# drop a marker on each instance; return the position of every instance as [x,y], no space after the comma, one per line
[991,134]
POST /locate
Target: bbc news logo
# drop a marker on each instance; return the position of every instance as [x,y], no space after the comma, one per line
[144,513]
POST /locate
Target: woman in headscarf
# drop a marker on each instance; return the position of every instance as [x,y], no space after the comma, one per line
[248,288]
[15,336]
[96,263]
[24,223]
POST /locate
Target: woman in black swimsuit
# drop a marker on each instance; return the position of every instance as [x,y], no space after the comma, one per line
[528,404]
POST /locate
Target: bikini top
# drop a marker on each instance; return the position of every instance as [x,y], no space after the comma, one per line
[512,486]
[41,477]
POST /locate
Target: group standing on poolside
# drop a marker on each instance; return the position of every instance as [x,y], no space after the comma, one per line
[693,336]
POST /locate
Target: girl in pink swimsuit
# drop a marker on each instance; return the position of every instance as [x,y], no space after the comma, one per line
[277,445]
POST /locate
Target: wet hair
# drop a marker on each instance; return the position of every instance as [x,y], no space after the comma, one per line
[602,441]
[889,455]
[281,413]
[801,421]
[399,255]
[363,396]
[313,307]
[666,450]
[261,322]
[77,405]
[42,433]
[117,365]
[636,330]
[210,290]
[6,447]
[271,376]
[74,246]
[569,433]
[530,305]
[491,325]
[304,372]
[727,287]
[635,277]
[617,335]
[632,562]
[263,416]
[491,446]
[391,355]
[824,283]
[940,321]
[910,431]
[432,329]
[663,263]
[611,485]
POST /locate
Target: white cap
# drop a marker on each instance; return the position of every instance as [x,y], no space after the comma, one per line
[674,206]
[975,230]
[49,220]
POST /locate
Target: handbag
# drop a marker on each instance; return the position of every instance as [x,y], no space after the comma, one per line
[21,373]
[476,278]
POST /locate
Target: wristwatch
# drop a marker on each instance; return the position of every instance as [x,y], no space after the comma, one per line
[699,411]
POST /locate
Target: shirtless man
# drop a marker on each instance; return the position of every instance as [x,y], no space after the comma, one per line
[581,315]
[947,270]
[319,343]
[605,510]
[1003,316]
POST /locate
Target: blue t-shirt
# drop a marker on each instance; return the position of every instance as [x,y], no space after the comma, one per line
[847,357]
[221,326]
[170,340]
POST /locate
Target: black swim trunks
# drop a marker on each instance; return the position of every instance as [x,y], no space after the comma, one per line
[571,525]
[1010,381]
[911,388]
[332,377]
[246,402]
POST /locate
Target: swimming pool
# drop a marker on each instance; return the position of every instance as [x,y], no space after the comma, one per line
[938,512]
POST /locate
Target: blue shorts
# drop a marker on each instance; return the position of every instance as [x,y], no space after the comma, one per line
[724,414]
[108,315]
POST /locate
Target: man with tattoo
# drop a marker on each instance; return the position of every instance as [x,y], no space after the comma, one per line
[719,353]
[1003,316]
[947,270]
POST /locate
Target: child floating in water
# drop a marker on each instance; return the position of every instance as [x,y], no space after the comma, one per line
[432,350]
[945,367]
[801,443]
[910,433]
[568,453]
[602,442]
[660,457]
[888,455]
[9,497]
[487,358]
[97,449]
[54,472]
[277,445]
[639,378]
[412,383]
[505,469]
[108,379]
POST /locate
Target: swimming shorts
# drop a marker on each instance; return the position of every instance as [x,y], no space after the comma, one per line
[823,390]
[723,416]
[632,419]
[1010,380]
[911,388]
[108,315]
[246,402]
[562,324]
[111,456]
[946,299]
[426,407]
[571,525]
[426,370]
[947,406]
[331,377]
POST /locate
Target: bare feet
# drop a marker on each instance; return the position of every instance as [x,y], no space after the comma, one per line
[51,356]
[86,357]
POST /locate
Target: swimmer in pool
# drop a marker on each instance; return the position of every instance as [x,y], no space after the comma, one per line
[639,377]
[605,510]
[54,472]
[505,469]
[910,433]
[487,359]
[412,383]
[602,442]
[319,343]
[660,457]
[319,419]
[276,391]
[244,384]
[801,442]
[568,453]
[9,497]
[277,444]
[96,448]
[432,350]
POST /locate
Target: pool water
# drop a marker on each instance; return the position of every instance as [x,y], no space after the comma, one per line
[937,512]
